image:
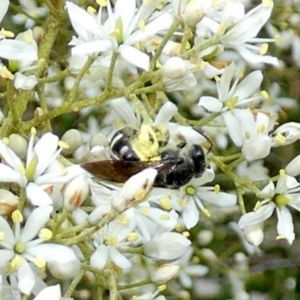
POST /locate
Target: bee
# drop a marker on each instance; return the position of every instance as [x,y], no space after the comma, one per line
[132,150]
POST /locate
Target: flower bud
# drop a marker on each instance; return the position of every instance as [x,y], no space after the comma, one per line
[98,139]
[134,190]
[8,202]
[73,138]
[176,75]
[293,167]
[18,144]
[165,273]
[254,235]
[168,247]
[75,192]
[66,270]
[193,13]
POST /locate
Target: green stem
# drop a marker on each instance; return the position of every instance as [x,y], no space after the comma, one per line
[110,74]
[79,76]
[74,284]
[164,41]
[43,103]
[59,76]
[133,285]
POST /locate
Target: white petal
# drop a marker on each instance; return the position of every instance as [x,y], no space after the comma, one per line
[135,56]
[7,232]
[5,257]
[26,278]
[36,221]
[234,129]
[221,199]
[17,50]
[211,104]
[3,8]
[49,293]
[24,82]
[92,47]
[285,226]
[99,257]
[119,259]
[37,195]
[190,214]
[7,174]
[257,217]
[166,112]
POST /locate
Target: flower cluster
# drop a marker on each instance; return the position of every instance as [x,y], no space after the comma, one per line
[132,133]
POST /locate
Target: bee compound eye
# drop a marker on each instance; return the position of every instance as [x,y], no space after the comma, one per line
[198,158]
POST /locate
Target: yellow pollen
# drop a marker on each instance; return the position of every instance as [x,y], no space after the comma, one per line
[141,24]
[132,237]
[278,39]
[122,219]
[7,33]
[39,262]
[257,205]
[216,4]
[6,74]
[267,3]
[45,234]
[63,145]
[111,241]
[231,102]
[102,3]
[181,202]
[145,210]
[161,287]
[265,94]
[261,129]
[248,135]
[282,173]
[91,10]
[206,212]
[280,139]
[280,237]
[264,49]
[165,203]
[33,131]
[17,217]
[186,234]
[178,227]
[15,263]
[190,190]
[164,217]
[217,188]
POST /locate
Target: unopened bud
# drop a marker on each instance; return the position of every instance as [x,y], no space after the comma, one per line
[75,192]
[18,144]
[8,202]
[165,273]
[193,13]
[134,190]
[73,138]
[99,139]
[254,235]
[174,68]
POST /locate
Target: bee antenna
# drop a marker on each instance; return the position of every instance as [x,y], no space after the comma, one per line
[206,137]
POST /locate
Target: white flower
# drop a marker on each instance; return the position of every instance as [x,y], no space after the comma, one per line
[286,192]
[119,32]
[22,53]
[176,75]
[167,247]
[249,132]
[231,92]
[3,9]
[112,236]
[188,200]
[20,249]
[286,134]
[49,293]
[33,176]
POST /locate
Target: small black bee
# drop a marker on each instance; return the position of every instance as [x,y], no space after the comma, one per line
[132,151]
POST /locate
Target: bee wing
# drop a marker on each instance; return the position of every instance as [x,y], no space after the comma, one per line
[119,170]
